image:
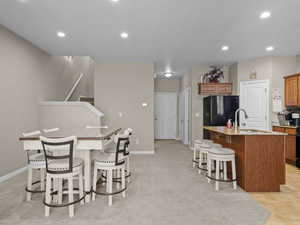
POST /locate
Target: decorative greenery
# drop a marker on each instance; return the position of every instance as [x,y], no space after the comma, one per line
[214,75]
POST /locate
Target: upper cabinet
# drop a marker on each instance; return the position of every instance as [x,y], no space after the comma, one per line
[292,90]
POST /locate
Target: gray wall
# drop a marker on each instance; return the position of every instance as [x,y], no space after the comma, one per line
[122,88]
[28,76]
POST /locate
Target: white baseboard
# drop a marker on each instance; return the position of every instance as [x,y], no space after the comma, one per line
[12,174]
[142,152]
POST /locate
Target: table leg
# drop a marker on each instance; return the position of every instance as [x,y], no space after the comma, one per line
[87,174]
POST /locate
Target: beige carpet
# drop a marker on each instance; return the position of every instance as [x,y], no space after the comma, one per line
[165,189]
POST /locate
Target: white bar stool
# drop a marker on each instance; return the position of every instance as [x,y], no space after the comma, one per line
[203,151]
[35,161]
[126,154]
[60,165]
[221,156]
[196,150]
[108,163]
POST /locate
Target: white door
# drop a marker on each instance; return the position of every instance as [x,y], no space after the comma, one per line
[181,116]
[165,115]
[254,98]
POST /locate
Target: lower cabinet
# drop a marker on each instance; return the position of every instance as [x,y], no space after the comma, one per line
[290,149]
[290,143]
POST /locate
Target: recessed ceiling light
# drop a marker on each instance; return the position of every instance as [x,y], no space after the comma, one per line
[225,48]
[269,48]
[114,0]
[61,34]
[124,35]
[168,74]
[265,15]
[23,1]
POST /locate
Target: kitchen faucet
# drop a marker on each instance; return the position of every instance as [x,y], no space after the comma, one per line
[235,117]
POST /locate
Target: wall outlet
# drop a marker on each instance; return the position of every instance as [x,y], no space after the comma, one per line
[137,141]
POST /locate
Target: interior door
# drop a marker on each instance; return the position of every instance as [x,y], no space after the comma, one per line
[165,115]
[181,116]
[187,106]
[254,98]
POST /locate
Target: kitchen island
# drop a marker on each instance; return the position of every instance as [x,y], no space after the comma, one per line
[260,157]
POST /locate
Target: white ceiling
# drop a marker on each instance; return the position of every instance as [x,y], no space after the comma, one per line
[174,33]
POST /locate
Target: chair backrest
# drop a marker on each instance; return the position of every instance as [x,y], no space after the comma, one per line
[122,144]
[29,134]
[58,150]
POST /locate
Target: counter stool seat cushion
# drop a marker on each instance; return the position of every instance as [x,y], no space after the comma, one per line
[38,157]
[200,141]
[63,164]
[107,158]
[110,150]
[221,151]
[204,145]
[215,145]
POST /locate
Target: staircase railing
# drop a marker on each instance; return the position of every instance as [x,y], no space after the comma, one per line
[70,93]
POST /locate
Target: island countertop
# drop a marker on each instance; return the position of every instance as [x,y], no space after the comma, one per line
[239,132]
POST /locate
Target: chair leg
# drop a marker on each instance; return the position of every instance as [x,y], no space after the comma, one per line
[225,170]
[194,158]
[48,195]
[29,184]
[95,175]
[128,168]
[217,174]
[233,172]
[81,187]
[221,170]
[42,179]
[109,186]
[208,169]
[200,162]
[60,190]
[118,175]
[123,182]
[71,196]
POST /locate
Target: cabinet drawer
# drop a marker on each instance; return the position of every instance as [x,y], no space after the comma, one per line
[290,131]
[278,129]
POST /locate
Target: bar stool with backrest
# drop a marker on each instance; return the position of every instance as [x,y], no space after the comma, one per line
[196,149]
[61,165]
[127,133]
[35,162]
[221,156]
[108,163]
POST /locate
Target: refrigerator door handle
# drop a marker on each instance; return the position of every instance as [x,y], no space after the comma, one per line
[211,116]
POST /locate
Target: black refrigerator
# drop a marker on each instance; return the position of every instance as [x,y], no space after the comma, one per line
[217,110]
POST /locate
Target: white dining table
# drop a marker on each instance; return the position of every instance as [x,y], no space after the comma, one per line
[87,141]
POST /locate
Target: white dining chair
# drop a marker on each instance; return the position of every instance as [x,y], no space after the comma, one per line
[60,166]
[35,162]
[108,163]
